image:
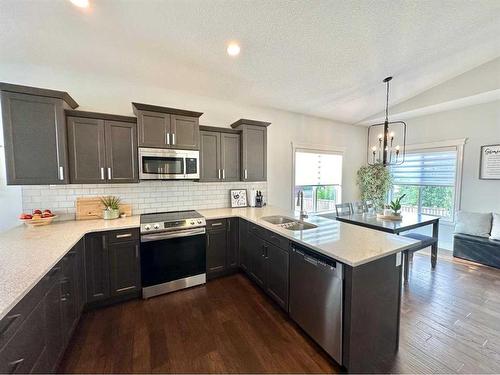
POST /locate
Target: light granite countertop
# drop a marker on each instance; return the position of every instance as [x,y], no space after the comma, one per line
[349,244]
[27,254]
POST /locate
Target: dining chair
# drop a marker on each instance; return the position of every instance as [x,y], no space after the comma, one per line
[358,207]
[343,209]
[369,206]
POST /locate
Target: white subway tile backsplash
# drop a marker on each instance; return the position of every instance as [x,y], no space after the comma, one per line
[145,197]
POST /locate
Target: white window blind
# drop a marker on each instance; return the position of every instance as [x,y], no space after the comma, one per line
[317,168]
[427,167]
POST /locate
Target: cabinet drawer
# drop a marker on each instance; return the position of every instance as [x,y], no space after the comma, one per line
[216,224]
[123,235]
[22,351]
[258,231]
[282,242]
[269,236]
[15,317]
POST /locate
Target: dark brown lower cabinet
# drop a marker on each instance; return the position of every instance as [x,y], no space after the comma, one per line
[277,274]
[257,259]
[243,256]
[216,252]
[264,261]
[20,354]
[233,242]
[54,318]
[124,268]
[97,266]
[35,333]
[222,247]
[112,266]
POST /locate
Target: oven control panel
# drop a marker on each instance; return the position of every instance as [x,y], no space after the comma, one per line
[173,225]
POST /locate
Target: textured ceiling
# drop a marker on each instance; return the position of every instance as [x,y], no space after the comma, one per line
[320,57]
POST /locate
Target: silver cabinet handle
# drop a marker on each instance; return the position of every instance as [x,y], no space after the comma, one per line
[126,235]
[109,173]
[173,138]
[10,319]
[167,137]
[102,174]
[218,173]
[103,242]
[216,224]
[246,174]
[61,173]
[223,174]
[136,251]
[14,365]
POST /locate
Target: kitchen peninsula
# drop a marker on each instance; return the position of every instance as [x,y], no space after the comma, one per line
[370,286]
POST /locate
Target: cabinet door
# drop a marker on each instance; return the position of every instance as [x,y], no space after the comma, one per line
[257,266]
[185,132]
[254,153]
[230,156]
[80,269]
[124,267]
[232,243]
[70,293]
[21,353]
[277,274]
[216,252]
[96,267]
[86,146]
[35,139]
[244,258]
[153,128]
[54,319]
[121,151]
[210,156]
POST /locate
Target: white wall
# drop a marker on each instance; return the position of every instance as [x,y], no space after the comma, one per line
[10,196]
[480,124]
[114,95]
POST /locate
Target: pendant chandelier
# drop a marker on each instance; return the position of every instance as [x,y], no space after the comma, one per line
[387,140]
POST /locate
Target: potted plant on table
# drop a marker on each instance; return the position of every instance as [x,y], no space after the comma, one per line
[111,207]
[394,208]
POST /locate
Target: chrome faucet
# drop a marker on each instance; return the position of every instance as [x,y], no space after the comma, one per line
[300,201]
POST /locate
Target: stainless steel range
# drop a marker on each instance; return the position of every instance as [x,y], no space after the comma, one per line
[172,251]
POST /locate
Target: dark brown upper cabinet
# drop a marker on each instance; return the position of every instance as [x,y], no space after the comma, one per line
[102,148]
[167,127]
[253,149]
[219,154]
[34,130]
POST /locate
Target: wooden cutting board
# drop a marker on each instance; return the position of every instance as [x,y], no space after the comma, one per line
[91,208]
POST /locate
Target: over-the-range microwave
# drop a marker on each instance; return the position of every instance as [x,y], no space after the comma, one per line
[168,164]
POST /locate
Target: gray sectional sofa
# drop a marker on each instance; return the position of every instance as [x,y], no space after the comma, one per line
[477,238]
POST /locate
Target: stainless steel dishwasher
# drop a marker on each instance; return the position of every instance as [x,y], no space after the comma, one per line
[316,298]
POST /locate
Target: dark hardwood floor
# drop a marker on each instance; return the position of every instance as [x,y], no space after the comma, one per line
[450,323]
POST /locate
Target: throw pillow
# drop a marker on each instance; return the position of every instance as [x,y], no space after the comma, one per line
[473,223]
[495,229]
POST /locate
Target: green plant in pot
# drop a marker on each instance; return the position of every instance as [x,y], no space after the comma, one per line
[395,206]
[374,182]
[111,207]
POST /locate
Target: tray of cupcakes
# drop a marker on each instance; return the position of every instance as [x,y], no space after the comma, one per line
[38,218]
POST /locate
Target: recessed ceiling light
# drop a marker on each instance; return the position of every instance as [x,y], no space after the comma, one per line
[81,3]
[233,49]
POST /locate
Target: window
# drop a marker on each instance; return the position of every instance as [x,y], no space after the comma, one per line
[428,177]
[319,175]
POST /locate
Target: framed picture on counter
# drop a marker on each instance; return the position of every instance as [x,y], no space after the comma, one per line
[489,165]
[238,198]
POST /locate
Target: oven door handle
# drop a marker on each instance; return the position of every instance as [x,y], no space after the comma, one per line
[176,234]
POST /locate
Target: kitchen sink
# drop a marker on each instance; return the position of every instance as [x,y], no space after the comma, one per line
[288,223]
[278,220]
[297,225]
